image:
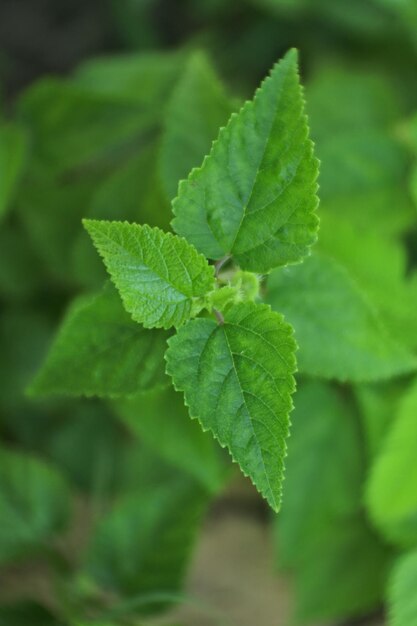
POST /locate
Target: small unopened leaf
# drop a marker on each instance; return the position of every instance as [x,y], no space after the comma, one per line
[255,195]
[161,278]
[238,379]
[101,351]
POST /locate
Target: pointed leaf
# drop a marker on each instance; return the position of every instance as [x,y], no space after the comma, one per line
[101,351]
[254,196]
[339,334]
[238,379]
[161,278]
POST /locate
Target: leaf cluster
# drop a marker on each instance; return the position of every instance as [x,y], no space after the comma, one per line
[225,292]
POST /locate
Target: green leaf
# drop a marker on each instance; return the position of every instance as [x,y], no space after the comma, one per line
[323,537]
[134,193]
[339,334]
[100,351]
[379,405]
[324,464]
[12,161]
[255,195]
[25,333]
[161,278]
[391,493]
[73,128]
[363,164]
[145,79]
[352,563]
[144,543]
[238,379]
[20,271]
[378,264]
[197,109]
[402,597]
[51,211]
[90,428]
[161,421]
[34,503]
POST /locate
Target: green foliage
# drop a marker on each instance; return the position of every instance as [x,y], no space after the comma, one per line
[100,351]
[34,505]
[254,196]
[378,405]
[357,584]
[161,278]
[12,161]
[245,364]
[363,163]
[197,109]
[402,591]
[339,334]
[323,538]
[27,612]
[145,541]
[378,264]
[391,490]
[111,141]
[178,440]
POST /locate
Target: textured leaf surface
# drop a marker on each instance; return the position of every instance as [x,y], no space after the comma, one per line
[254,196]
[161,278]
[323,537]
[34,503]
[237,379]
[101,351]
[144,543]
[402,596]
[161,421]
[197,109]
[339,333]
[391,490]
[12,161]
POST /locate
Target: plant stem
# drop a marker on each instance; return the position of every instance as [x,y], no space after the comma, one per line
[219,317]
[219,264]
